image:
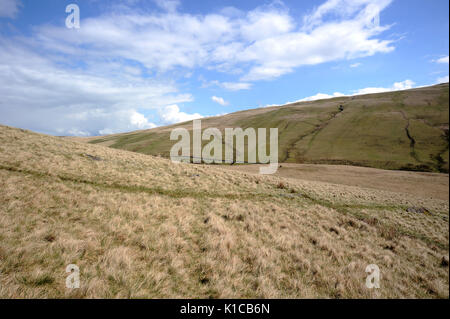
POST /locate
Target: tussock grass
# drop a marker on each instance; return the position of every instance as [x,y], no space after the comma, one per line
[139,226]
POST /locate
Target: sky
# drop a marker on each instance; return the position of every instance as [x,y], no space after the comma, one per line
[139,64]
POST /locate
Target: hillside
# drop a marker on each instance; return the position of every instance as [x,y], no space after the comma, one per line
[405,130]
[142,226]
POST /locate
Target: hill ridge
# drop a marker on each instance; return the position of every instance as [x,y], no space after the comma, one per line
[369,131]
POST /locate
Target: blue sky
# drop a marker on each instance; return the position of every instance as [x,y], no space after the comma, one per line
[137,64]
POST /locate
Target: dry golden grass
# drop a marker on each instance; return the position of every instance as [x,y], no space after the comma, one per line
[141,226]
[420,184]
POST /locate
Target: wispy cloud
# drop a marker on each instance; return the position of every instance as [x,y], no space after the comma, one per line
[320,96]
[9,8]
[443,79]
[236,86]
[107,75]
[168,5]
[219,100]
[442,60]
[397,86]
[41,95]
[171,114]
[229,86]
[265,43]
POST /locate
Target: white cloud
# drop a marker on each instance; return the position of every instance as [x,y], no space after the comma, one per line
[397,86]
[236,86]
[9,8]
[344,9]
[320,96]
[443,79]
[140,121]
[219,100]
[261,24]
[348,37]
[168,5]
[355,65]
[404,85]
[264,43]
[171,114]
[442,60]
[96,79]
[230,86]
[39,95]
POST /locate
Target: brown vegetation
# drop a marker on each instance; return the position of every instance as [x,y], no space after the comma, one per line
[141,226]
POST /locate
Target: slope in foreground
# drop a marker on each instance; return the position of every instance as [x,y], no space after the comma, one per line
[140,226]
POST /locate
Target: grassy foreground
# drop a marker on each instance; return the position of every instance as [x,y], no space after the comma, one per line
[141,226]
[405,130]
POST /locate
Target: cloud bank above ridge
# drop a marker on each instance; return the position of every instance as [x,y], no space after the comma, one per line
[116,73]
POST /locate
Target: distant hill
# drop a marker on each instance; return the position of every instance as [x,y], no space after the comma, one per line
[405,130]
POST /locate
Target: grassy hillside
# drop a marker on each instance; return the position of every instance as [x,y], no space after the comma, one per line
[395,130]
[142,226]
